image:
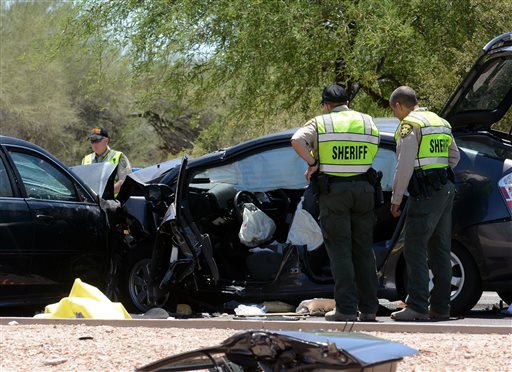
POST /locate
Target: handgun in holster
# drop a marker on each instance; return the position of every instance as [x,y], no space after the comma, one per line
[423,183]
[434,179]
[450,174]
[323,183]
[314,184]
[374,178]
[319,183]
[418,184]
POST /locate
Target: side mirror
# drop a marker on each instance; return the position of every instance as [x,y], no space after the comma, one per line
[157,192]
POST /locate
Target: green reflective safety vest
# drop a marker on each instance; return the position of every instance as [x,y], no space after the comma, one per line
[111,157]
[436,138]
[347,143]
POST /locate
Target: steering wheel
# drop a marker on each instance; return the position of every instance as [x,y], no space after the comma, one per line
[240,199]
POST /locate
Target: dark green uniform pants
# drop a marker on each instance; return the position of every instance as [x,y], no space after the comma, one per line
[347,219]
[428,242]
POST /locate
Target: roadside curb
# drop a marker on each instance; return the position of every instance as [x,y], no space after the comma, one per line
[302,325]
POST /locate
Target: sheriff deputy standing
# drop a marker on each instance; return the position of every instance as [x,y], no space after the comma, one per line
[103,153]
[425,150]
[342,144]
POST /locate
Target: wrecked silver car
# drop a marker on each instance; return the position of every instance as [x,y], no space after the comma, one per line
[290,351]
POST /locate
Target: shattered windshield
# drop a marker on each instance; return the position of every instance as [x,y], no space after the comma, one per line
[268,170]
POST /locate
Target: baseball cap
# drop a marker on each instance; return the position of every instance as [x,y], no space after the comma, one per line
[98,133]
[334,93]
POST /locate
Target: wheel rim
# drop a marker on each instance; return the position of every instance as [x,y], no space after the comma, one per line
[138,286]
[458,277]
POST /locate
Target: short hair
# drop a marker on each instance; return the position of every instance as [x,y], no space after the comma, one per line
[405,96]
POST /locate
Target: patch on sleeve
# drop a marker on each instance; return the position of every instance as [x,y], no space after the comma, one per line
[405,130]
[122,162]
[310,122]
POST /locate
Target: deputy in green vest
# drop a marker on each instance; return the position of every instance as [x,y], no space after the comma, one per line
[341,145]
[425,149]
[103,153]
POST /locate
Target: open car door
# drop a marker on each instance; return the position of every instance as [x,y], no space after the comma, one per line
[192,243]
[485,95]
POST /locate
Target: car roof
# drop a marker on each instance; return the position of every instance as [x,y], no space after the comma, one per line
[162,172]
[7,140]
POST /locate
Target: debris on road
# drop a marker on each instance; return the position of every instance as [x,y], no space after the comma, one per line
[85,301]
[283,350]
[316,306]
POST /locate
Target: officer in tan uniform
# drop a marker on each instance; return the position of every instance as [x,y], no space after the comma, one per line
[103,153]
[341,145]
[426,151]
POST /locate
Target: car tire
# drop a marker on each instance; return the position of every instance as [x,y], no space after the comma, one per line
[506,297]
[466,283]
[133,282]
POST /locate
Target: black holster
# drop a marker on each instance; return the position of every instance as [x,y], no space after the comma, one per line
[418,185]
[374,178]
[414,187]
[323,183]
[319,183]
[313,183]
[434,179]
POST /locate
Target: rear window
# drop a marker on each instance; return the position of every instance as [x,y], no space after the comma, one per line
[490,89]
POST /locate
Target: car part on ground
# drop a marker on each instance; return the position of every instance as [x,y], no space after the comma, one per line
[289,351]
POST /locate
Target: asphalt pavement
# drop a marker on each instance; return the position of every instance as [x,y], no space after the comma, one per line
[488,316]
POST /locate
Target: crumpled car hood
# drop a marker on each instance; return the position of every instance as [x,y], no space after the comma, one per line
[98,176]
[283,350]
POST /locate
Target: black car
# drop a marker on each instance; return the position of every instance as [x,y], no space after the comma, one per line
[52,228]
[186,214]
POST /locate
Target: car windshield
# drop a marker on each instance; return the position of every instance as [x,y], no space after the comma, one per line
[282,169]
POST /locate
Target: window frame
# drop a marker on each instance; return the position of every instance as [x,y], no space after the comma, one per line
[77,196]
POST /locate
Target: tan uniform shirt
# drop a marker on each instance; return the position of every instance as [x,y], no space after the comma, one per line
[123,168]
[308,135]
[406,151]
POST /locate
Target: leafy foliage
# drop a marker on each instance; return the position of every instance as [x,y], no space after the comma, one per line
[165,76]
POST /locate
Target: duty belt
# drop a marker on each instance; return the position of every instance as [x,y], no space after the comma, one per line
[422,180]
[358,177]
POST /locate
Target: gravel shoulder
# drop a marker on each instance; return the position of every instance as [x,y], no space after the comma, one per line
[106,348]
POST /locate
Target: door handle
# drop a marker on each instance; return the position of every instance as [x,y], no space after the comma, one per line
[45,217]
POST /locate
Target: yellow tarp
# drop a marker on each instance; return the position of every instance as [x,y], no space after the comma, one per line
[85,301]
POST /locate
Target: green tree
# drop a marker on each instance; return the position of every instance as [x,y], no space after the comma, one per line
[274,55]
[35,102]
[53,91]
